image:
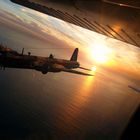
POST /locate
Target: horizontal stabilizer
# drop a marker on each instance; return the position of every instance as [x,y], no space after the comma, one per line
[84,68]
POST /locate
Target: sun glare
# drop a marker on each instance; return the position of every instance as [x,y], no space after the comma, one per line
[100,53]
[93,68]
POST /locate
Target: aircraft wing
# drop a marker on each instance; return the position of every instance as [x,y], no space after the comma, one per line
[118,19]
[75,72]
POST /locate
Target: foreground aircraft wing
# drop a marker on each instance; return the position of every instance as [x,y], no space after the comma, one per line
[76,72]
[118,19]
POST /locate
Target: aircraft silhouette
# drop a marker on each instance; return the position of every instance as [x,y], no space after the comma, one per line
[12,59]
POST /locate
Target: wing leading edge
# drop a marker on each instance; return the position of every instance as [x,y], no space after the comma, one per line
[122,23]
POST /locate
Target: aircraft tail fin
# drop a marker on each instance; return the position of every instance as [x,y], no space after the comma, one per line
[74,55]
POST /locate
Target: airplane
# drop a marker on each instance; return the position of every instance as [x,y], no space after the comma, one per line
[12,59]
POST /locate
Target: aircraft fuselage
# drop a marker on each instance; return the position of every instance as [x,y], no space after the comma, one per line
[43,64]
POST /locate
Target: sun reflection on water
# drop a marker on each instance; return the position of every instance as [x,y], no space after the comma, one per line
[73,110]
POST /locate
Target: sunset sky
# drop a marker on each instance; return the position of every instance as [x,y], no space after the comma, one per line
[96,48]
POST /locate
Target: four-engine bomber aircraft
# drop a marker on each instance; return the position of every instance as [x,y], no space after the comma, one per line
[12,59]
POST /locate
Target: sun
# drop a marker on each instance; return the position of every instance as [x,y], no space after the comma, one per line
[100,53]
[93,68]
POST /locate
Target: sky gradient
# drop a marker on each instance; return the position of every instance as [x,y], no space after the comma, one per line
[118,55]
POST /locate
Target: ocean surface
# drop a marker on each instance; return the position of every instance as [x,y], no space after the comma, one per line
[64,106]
